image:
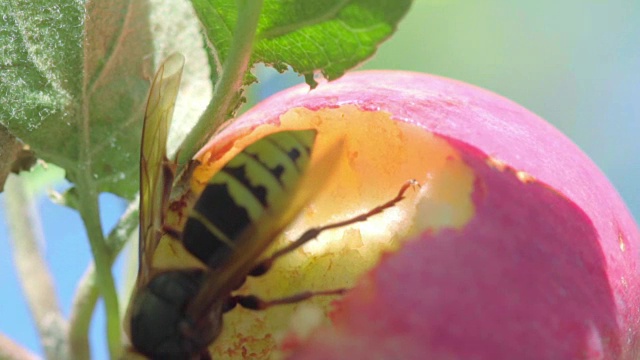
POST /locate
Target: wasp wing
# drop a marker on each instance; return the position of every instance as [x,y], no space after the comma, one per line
[154,180]
[254,241]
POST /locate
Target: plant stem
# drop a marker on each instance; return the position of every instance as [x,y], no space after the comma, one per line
[87,292]
[90,213]
[87,189]
[84,303]
[10,350]
[229,85]
[35,277]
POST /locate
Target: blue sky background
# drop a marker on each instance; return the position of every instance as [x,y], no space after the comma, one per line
[574,62]
[67,252]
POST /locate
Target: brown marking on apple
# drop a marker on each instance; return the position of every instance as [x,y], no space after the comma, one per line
[516,247]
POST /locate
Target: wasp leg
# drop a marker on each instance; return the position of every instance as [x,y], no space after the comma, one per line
[312,233]
[253,302]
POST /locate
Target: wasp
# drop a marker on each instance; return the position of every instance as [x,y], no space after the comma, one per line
[177,314]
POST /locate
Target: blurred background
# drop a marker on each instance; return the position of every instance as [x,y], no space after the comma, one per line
[575,63]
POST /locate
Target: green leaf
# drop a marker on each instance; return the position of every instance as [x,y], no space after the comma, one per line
[330,36]
[73,84]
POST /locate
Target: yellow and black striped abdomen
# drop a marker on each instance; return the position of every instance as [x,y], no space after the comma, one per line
[258,179]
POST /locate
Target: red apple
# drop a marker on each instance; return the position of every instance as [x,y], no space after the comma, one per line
[515,247]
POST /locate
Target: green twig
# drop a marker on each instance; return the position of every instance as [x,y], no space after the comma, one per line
[229,83]
[84,303]
[90,214]
[83,177]
[35,277]
[87,292]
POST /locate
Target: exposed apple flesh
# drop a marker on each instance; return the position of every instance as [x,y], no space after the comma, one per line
[516,247]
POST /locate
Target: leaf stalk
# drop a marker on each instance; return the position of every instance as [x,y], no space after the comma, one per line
[87,292]
[229,86]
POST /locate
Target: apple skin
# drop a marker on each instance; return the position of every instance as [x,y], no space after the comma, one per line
[546,269]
